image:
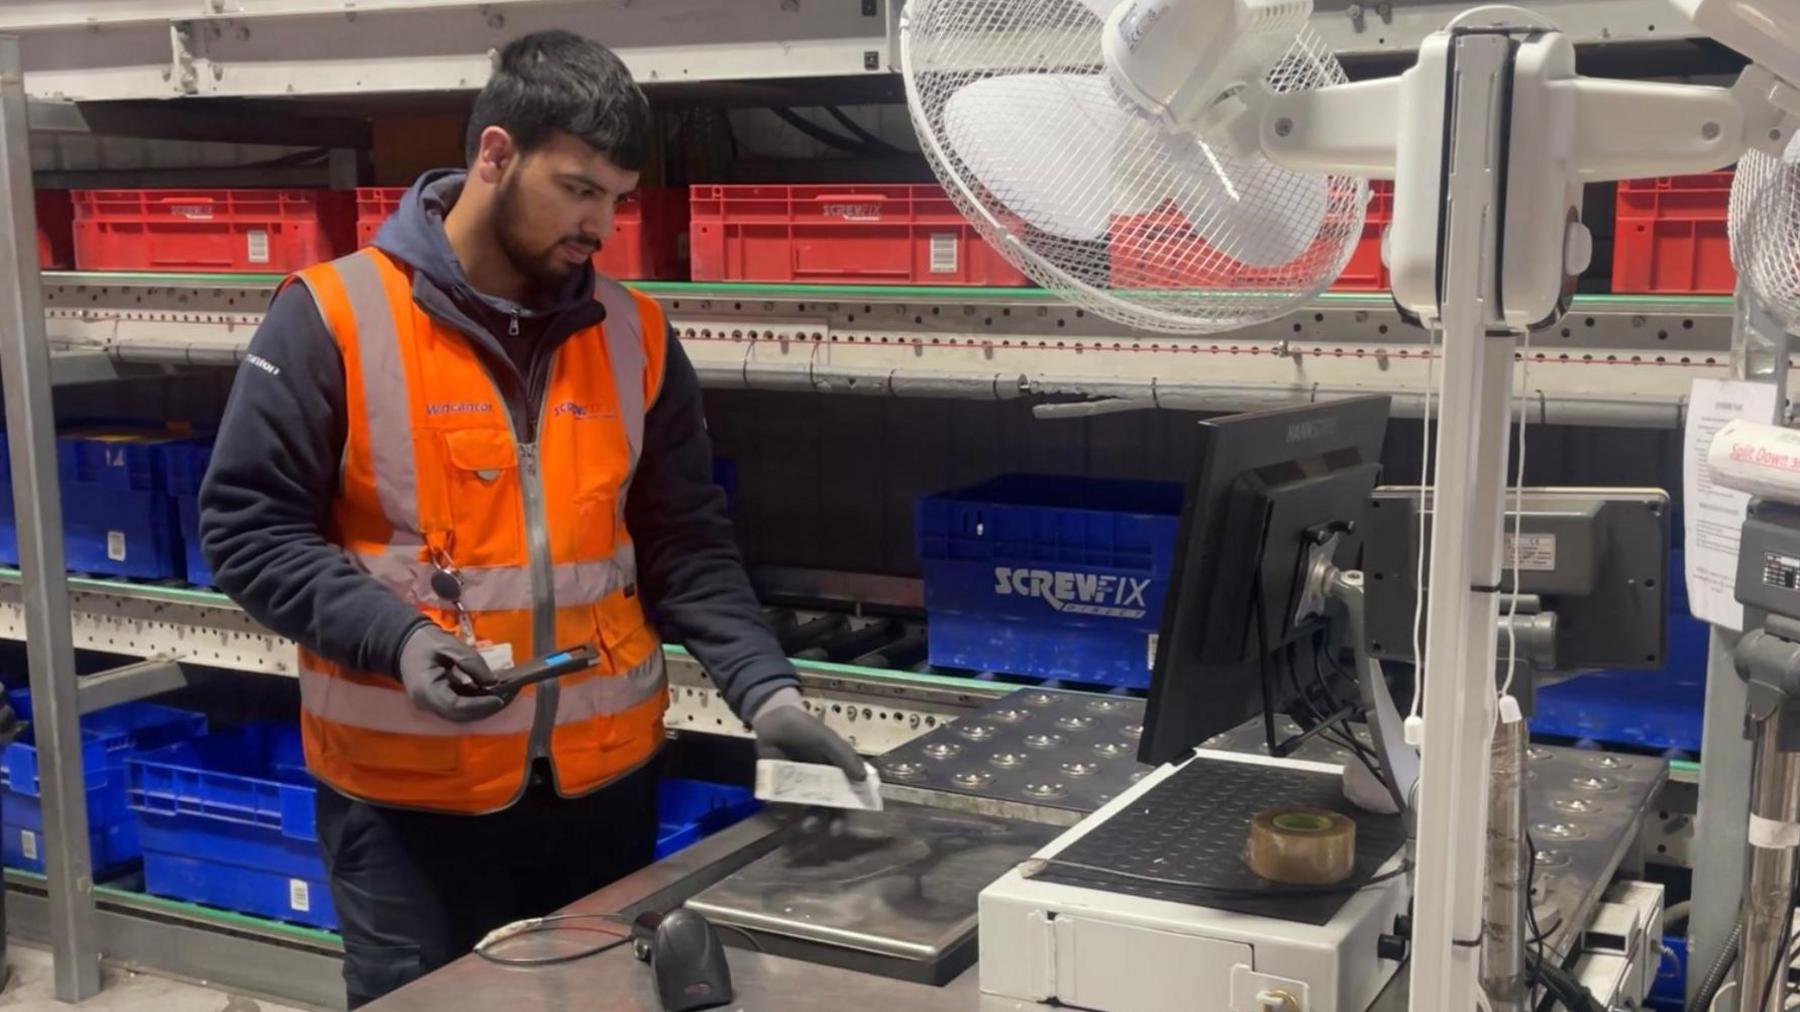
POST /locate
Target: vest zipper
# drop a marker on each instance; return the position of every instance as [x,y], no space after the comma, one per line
[512,324]
[539,563]
[543,594]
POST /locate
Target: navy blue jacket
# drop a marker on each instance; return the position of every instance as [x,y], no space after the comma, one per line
[264,504]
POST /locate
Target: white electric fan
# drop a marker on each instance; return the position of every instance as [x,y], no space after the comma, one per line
[1095,188]
[1198,165]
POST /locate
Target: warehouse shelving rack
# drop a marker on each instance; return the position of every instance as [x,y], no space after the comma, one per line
[305,71]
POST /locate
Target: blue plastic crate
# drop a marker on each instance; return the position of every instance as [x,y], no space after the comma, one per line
[1669,992]
[108,738]
[1662,710]
[109,532]
[124,459]
[227,821]
[1053,577]
[688,811]
[123,533]
[187,510]
[185,462]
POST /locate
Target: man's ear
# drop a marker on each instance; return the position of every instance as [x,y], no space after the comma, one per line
[493,153]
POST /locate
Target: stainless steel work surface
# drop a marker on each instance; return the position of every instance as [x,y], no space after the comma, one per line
[617,982]
[1035,754]
[901,882]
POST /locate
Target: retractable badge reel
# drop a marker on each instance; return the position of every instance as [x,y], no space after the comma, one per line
[447,584]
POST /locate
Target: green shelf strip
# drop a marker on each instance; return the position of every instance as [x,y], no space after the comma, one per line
[131,898]
[164,592]
[751,290]
[225,918]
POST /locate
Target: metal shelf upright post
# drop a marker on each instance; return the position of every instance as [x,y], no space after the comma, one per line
[31,439]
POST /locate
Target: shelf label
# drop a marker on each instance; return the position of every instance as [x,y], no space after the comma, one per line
[943,253]
[115,545]
[259,246]
[28,844]
[299,895]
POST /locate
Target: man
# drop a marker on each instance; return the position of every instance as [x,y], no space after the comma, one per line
[458,450]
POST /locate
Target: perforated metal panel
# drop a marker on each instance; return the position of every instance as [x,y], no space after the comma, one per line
[1035,754]
[1191,828]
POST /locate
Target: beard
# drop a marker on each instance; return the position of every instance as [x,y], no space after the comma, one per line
[544,268]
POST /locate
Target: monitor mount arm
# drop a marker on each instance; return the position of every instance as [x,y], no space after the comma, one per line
[1327,587]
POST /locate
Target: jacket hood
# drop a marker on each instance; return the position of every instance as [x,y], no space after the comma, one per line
[415,234]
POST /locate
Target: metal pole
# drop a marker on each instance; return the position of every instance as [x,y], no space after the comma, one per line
[1467,502]
[1725,765]
[31,437]
[1769,877]
[1725,751]
[1503,941]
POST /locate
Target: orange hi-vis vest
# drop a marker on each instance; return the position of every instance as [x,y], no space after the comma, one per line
[434,474]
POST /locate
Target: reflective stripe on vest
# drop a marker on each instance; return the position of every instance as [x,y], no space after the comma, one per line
[386,397]
[501,588]
[378,707]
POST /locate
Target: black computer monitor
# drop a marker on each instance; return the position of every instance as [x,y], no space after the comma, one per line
[1268,485]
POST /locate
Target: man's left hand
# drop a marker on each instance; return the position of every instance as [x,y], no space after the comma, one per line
[784,730]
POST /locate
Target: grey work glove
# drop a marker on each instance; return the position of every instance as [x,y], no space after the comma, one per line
[784,730]
[447,677]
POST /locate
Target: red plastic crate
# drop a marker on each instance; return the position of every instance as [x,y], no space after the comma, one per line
[650,236]
[840,234]
[1670,236]
[210,230]
[55,229]
[373,206]
[1365,272]
[1167,254]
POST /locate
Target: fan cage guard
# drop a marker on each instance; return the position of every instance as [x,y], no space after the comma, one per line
[1765,230]
[1158,269]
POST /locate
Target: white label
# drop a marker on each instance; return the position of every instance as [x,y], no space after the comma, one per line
[943,253]
[299,895]
[816,784]
[259,246]
[499,656]
[1150,653]
[28,844]
[1715,514]
[115,545]
[1533,553]
[1772,835]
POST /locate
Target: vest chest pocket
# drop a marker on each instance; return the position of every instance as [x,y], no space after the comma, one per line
[482,499]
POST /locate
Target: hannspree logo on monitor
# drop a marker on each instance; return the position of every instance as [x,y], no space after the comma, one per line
[1076,593]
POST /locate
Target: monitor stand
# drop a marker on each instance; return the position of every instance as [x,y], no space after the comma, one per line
[1329,589]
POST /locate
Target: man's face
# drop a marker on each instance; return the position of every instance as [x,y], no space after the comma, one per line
[554,208]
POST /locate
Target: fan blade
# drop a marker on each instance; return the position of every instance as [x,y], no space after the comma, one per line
[1249,208]
[1046,146]
[1101,8]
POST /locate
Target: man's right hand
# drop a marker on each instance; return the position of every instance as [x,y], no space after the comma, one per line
[447,677]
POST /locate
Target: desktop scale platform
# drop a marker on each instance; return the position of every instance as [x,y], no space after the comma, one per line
[1149,904]
[1103,936]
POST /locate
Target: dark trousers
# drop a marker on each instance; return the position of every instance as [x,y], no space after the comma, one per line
[415,891]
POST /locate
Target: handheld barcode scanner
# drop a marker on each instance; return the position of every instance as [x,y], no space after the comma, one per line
[542,669]
[538,669]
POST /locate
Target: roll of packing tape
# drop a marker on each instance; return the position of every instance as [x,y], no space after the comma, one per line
[1302,846]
